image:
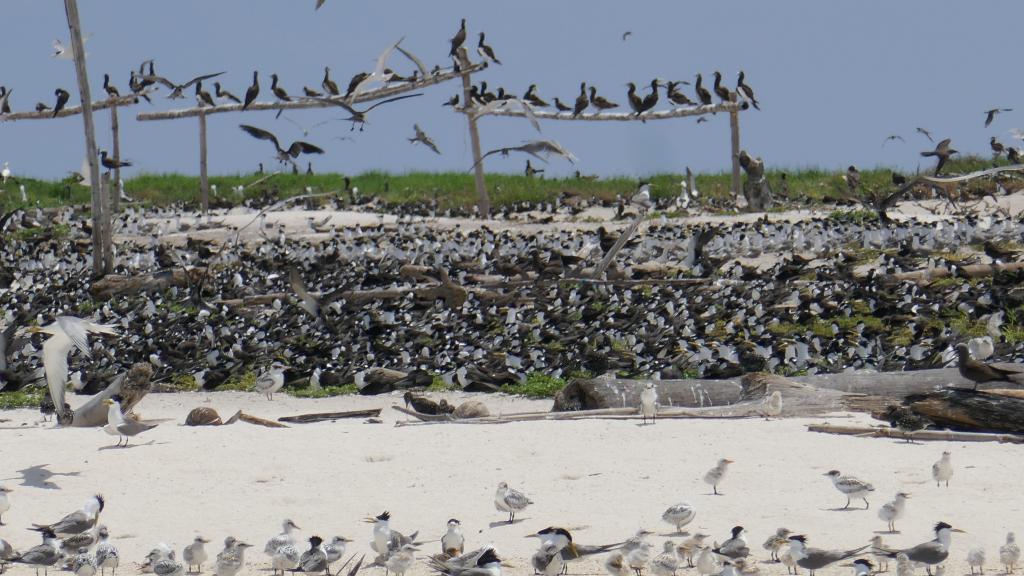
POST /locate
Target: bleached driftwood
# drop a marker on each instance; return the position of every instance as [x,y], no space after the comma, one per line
[677,112]
[115,285]
[329,416]
[300,103]
[937,435]
[969,271]
[121,102]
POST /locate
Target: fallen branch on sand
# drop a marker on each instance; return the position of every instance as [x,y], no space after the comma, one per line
[969,271]
[330,416]
[937,435]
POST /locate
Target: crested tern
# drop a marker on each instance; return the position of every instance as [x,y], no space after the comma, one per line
[231,559]
[510,500]
[165,565]
[386,540]
[904,567]
[814,559]
[689,548]
[106,553]
[315,559]
[882,559]
[78,521]
[851,487]
[736,546]
[929,553]
[285,558]
[41,556]
[715,476]
[118,425]
[615,564]
[401,560]
[335,549]
[487,564]
[666,563]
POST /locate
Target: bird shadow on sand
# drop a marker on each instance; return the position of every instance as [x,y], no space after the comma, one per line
[39,477]
[887,532]
[506,523]
[116,447]
[840,509]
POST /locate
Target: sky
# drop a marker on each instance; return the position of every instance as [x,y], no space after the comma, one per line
[833,78]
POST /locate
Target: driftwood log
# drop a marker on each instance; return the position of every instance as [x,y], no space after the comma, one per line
[940,435]
[116,285]
[963,409]
[328,416]
[132,386]
[597,393]
[969,271]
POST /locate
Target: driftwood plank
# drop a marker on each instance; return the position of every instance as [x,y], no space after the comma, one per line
[257,420]
[937,435]
[327,416]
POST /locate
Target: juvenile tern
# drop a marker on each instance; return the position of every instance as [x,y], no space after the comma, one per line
[195,554]
[118,425]
[882,559]
[649,401]
[1009,553]
[904,567]
[638,557]
[666,563]
[851,487]
[106,553]
[285,558]
[976,559]
[776,541]
[335,549]
[691,546]
[679,515]
[707,562]
[771,407]
[814,559]
[930,553]
[83,564]
[510,500]
[615,564]
[715,476]
[890,512]
[231,559]
[452,543]
[401,561]
[165,565]
[285,538]
[862,567]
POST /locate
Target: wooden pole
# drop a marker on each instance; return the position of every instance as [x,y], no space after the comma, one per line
[734,129]
[75,28]
[115,193]
[107,235]
[483,200]
[204,182]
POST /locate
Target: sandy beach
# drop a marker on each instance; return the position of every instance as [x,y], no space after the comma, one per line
[601,479]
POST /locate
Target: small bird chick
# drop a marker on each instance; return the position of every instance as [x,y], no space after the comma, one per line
[976,559]
[942,470]
[715,476]
[649,402]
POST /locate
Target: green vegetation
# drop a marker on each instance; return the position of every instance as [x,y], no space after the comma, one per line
[239,382]
[537,385]
[184,383]
[324,392]
[452,189]
[24,398]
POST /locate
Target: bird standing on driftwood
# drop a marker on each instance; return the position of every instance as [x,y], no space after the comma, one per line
[980,372]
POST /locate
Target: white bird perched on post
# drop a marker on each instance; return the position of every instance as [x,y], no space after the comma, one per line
[1009,553]
[942,470]
[851,487]
[510,500]
[976,559]
[715,476]
[649,402]
[66,332]
[270,381]
[679,515]
[890,512]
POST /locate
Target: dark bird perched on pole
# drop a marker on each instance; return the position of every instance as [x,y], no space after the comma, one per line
[721,91]
[327,84]
[485,51]
[581,101]
[221,93]
[702,93]
[253,91]
[458,39]
[62,100]
[746,91]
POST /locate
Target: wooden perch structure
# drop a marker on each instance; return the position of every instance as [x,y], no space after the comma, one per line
[969,271]
[305,103]
[677,112]
[122,101]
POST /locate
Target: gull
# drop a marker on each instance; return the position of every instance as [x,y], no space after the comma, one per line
[43,555]
[535,148]
[976,559]
[771,406]
[1009,553]
[359,116]
[283,539]
[401,561]
[267,383]
[177,90]
[814,559]
[990,115]
[715,476]
[510,500]
[83,564]
[892,511]
[736,546]
[930,553]
[315,559]
[5,502]
[851,487]
[422,138]
[487,564]
[78,521]
[642,198]
[679,515]
[615,564]
[285,558]
[335,549]
[283,154]
[776,541]
[107,553]
[666,563]
[649,403]
[195,553]
[118,425]
[232,558]
[453,542]
[66,332]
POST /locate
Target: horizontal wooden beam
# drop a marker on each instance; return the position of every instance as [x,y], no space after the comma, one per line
[302,103]
[121,102]
[677,112]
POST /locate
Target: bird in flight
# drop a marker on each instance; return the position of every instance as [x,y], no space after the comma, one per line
[359,116]
[942,152]
[283,154]
[177,90]
[422,138]
[892,137]
[926,133]
[626,35]
[990,115]
[539,149]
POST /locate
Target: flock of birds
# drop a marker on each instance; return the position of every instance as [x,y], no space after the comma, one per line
[81,544]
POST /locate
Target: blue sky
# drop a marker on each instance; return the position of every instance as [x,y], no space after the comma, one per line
[834,78]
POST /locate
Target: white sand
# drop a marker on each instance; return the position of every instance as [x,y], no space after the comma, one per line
[601,479]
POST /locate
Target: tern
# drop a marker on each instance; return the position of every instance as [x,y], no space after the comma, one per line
[666,563]
[385,540]
[688,548]
[118,425]
[776,541]
[736,546]
[616,564]
[649,396]
[679,515]
[163,565]
[929,553]
[335,549]
[453,542]
[41,556]
[315,559]
[177,90]
[78,521]
[422,137]
[285,558]
[890,512]
[851,487]
[401,560]
[862,567]
[1009,553]
[83,564]
[231,559]
[976,559]
[487,564]
[267,383]
[715,476]
[195,553]
[286,537]
[359,116]
[510,500]
[876,545]
[539,149]
[814,559]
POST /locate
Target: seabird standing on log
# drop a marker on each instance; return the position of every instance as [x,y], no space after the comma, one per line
[485,51]
[721,91]
[532,99]
[329,85]
[221,93]
[458,39]
[112,163]
[204,97]
[581,101]
[702,93]
[253,91]
[746,91]
[562,107]
[108,88]
[600,102]
[62,99]
[279,92]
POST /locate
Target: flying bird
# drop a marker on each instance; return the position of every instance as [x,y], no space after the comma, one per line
[926,133]
[626,35]
[990,115]
[892,138]
[61,52]
[283,154]
[359,116]
[942,152]
[422,138]
[177,90]
[539,149]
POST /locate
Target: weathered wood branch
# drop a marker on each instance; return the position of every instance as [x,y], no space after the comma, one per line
[971,410]
[116,285]
[973,175]
[624,237]
[678,112]
[936,435]
[969,271]
[305,103]
[120,102]
[329,416]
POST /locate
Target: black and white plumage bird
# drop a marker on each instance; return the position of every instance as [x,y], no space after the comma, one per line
[453,542]
[283,154]
[485,51]
[76,522]
[702,93]
[851,487]
[178,90]
[532,99]
[359,116]
[990,115]
[203,97]
[744,90]
[736,546]
[42,556]
[222,93]
[62,99]
[722,92]
[814,559]
[929,553]
[109,88]
[424,139]
[600,102]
